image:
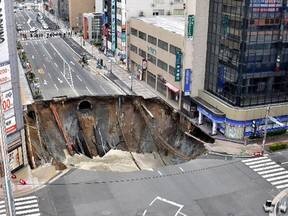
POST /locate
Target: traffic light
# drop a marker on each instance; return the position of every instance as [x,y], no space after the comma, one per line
[253,127]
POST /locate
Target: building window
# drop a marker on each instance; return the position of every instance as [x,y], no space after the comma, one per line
[152,40]
[162,65]
[155,13]
[178,1]
[134,32]
[142,53]
[142,35]
[151,79]
[163,45]
[158,12]
[151,58]
[133,48]
[158,1]
[173,49]
[178,12]
[171,70]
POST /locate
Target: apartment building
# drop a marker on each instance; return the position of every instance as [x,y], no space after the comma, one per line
[92,27]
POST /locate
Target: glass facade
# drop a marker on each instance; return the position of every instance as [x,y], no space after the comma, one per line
[247,51]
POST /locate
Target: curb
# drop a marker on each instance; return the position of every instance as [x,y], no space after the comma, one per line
[224,154]
[276,200]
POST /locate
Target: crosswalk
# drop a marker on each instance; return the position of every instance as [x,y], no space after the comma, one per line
[24,206]
[39,30]
[269,170]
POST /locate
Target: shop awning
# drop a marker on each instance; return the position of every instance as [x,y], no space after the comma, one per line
[172,88]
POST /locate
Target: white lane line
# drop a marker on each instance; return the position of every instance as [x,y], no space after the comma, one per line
[266,168]
[92,77]
[159,172]
[56,64]
[144,213]
[27,211]
[78,78]
[74,58]
[282,186]
[284,162]
[279,182]
[44,66]
[275,174]
[257,162]
[253,159]
[49,75]
[56,87]
[277,178]
[270,171]
[25,202]
[103,89]
[260,165]
[27,207]
[46,51]
[72,63]
[25,198]
[89,90]
[181,169]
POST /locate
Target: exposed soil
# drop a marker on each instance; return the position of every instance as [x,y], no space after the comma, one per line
[108,127]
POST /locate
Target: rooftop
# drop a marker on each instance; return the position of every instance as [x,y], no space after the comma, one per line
[174,24]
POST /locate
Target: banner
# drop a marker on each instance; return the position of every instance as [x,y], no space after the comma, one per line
[5,73]
[113,25]
[3,34]
[187,82]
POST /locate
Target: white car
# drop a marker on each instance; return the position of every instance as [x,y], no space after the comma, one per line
[45,26]
[33,29]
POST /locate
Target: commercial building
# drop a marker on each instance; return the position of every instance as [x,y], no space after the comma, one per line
[76,10]
[92,27]
[116,20]
[246,67]
[168,52]
[11,105]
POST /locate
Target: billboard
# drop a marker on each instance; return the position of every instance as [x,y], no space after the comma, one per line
[178,66]
[10,125]
[187,82]
[113,25]
[266,3]
[3,34]
[5,73]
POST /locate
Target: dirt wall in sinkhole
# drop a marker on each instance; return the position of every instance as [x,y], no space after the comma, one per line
[94,125]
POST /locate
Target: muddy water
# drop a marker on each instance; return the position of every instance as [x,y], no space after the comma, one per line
[118,161]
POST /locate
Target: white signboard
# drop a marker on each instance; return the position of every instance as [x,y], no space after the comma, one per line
[10,124]
[5,74]
[7,100]
[3,34]
[276,121]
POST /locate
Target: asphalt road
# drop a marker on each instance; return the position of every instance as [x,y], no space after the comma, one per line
[48,57]
[202,187]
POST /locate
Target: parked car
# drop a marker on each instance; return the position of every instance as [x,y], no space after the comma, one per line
[45,26]
[268,207]
[19,27]
[283,207]
[33,29]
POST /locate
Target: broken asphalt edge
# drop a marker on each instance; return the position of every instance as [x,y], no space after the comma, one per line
[42,184]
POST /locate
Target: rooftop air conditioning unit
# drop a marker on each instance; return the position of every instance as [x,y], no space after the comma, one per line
[141,14]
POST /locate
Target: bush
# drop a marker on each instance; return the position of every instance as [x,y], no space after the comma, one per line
[278,146]
[276,132]
[19,46]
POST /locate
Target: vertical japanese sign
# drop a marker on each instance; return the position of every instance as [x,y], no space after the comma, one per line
[187,82]
[113,25]
[224,25]
[190,25]
[178,66]
[3,34]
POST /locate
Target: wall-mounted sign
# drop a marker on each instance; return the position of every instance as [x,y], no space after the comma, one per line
[113,25]
[3,34]
[5,74]
[10,125]
[178,66]
[187,82]
[190,25]
[7,103]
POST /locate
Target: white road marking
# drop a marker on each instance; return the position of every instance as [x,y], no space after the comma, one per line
[260,165]
[144,213]
[253,159]
[25,202]
[92,77]
[61,81]
[284,162]
[279,182]
[275,174]
[266,168]
[32,56]
[103,89]
[159,172]
[74,58]
[282,186]
[28,211]
[78,78]
[44,66]
[27,207]
[56,64]
[89,90]
[270,171]
[46,51]
[257,162]
[181,169]
[72,63]
[277,178]
[56,87]
[49,75]
[45,82]
[25,198]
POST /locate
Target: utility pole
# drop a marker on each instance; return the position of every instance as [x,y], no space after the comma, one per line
[5,169]
[265,129]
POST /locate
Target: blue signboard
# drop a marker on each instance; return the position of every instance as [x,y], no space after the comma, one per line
[113,25]
[104,19]
[187,82]
[178,66]
[220,78]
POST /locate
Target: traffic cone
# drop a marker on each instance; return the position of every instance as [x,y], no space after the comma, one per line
[13,176]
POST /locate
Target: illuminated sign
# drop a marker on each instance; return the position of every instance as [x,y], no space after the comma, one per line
[113,26]
[178,66]
[190,29]
[187,82]
[10,125]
